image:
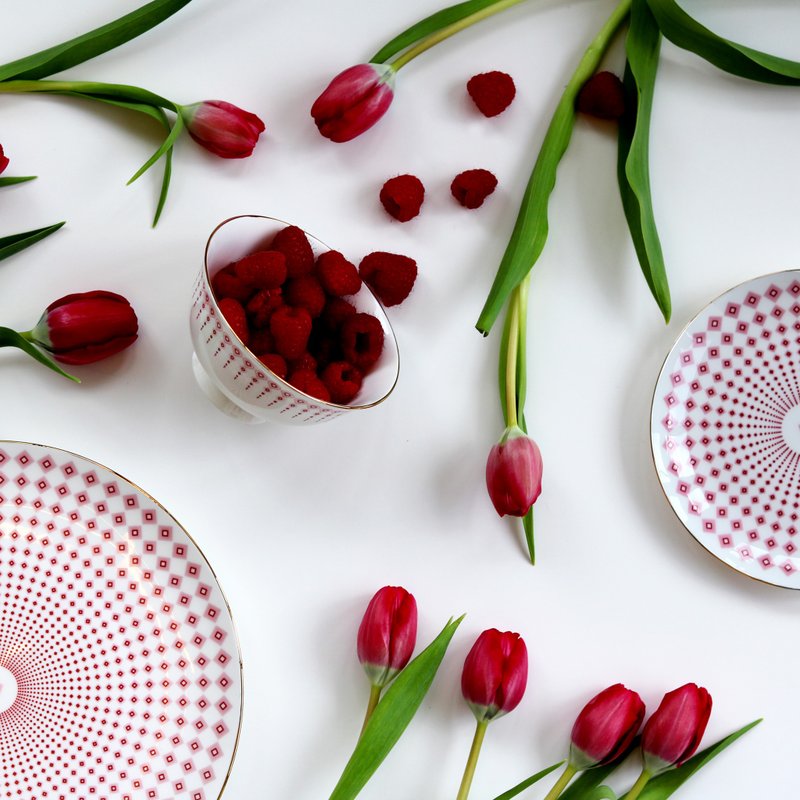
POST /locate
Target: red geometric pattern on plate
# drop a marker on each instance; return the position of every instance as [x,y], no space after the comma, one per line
[119,666]
[726,428]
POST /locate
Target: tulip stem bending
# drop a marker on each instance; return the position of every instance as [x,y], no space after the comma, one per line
[374,697]
[637,787]
[561,783]
[449,30]
[472,760]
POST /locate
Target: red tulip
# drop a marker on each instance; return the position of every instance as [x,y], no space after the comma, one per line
[224,129]
[605,727]
[82,328]
[673,733]
[514,473]
[495,674]
[354,101]
[387,634]
[3,159]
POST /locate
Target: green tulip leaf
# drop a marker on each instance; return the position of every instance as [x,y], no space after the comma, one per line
[602,793]
[91,90]
[392,715]
[91,44]
[11,338]
[428,25]
[586,783]
[166,147]
[633,153]
[528,782]
[687,33]
[9,245]
[666,784]
[10,180]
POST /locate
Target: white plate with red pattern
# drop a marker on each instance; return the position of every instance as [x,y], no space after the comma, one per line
[120,674]
[725,428]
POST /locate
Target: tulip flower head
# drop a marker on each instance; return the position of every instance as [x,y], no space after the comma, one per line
[605,727]
[222,128]
[514,473]
[83,328]
[354,101]
[495,674]
[673,732]
[3,159]
[387,634]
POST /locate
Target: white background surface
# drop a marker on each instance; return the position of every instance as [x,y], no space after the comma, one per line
[303,525]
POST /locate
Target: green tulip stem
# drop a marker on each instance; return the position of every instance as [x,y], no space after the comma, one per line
[118,91]
[561,783]
[637,787]
[450,30]
[472,760]
[374,697]
[511,360]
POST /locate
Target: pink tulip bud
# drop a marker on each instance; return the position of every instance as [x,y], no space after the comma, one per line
[354,101]
[605,727]
[673,732]
[387,634]
[224,129]
[82,328]
[495,674]
[514,473]
[3,159]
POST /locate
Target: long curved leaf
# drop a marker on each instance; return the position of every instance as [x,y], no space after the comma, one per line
[91,44]
[642,46]
[686,32]
[9,180]
[427,26]
[91,89]
[10,338]
[392,715]
[19,241]
[528,782]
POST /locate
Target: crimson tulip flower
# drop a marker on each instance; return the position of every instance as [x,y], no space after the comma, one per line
[222,128]
[514,473]
[354,101]
[83,328]
[3,159]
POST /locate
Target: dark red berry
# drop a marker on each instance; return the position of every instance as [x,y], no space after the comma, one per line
[293,243]
[290,327]
[343,381]
[306,380]
[305,291]
[492,92]
[265,269]
[337,275]
[602,96]
[472,187]
[389,275]
[362,340]
[402,197]
[234,313]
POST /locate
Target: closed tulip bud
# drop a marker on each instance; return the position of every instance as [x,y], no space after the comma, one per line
[495,674]
[673,732]
[222,128]
[605,727]
[3,159]
[387,634]
[514,473]
[354,101]
[82,328]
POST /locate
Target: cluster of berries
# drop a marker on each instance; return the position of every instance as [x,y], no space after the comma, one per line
[289,309]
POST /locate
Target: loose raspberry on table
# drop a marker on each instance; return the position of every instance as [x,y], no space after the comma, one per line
[306,291]
[602,96]
[265,269]
[274,362]
[226,283]
[293,243]
[361,338]
[261,305]
[306,380]
[235,315]
[472,187]
[343,381]
[290,327]
[389,275]
[492,92]
[336,312]
[402,197]
[336,274]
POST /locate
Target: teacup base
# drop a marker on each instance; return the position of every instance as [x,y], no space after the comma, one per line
[218,397]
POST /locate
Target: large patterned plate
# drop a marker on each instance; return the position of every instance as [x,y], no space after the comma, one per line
[120,675]
[725,428]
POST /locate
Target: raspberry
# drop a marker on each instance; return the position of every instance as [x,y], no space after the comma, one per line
[336,274]
[492,92]
[275,363]
[602,96]
[323,346]
[306,292]
[343,381]
[402,197]
[234,314]
[472,187]
[263,270]
[302,362]
[290,328]
[362,340]
[307,381]
[292,242]
[262,304]
[226,283]
[389,275]
[336,312]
